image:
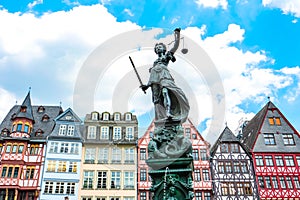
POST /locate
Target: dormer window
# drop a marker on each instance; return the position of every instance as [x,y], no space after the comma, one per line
[127,116]
[105,116]
[5,132]
[62,129]
[45,118]
[274,121]
[41,109]
[39,132]
[117,117]
[94,116]
[19,127]
[23,109]
[26,128]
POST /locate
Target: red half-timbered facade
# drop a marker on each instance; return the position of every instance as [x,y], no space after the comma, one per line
[202,175]
[275,147]
[22,147]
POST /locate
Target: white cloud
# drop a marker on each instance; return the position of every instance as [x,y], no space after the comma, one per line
[7,100]
[128,12]
[287,6]
[34,3]
[213,3]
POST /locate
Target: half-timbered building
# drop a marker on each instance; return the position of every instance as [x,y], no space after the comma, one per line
[63,158]
[22,144]
[275,147]
[232,169]
[202,176]
[109,156]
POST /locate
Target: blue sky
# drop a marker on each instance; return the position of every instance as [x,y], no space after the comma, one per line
[254,44]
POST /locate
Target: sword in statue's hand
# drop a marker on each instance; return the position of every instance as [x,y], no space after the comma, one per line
[144,87]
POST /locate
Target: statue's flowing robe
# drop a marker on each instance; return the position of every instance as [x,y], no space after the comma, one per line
[160,78]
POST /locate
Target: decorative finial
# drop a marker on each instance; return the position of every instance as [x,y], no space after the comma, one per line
[16,102]
[226,123]
[268,98]
[60,103]
[29,88]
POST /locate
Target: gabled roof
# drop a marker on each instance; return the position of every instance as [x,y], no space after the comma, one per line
[225,136]
[25,110]
[254,127]
[68,115]
[45,126]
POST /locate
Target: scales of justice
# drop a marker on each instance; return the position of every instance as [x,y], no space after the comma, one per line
[169,151]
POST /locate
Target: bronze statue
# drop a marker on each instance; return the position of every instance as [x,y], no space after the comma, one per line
[169,100]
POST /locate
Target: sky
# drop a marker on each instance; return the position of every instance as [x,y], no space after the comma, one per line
[248,53]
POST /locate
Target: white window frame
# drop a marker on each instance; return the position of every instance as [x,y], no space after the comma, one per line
[53,147]
[116,154]
[128,180]
[116,177]
[62,129]
[90,154]
[103,155]
[129,155]
[95,116]
[105,116]
[117,133]
[129,133]
[91,132]
[117,117]
[128,117]
[104,133]
[71,129]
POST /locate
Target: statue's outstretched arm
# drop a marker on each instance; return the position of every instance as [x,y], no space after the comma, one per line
[176,41]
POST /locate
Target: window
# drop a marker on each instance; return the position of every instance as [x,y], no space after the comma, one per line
[279,161]
[195,154]
[277,121]
[16,172]
[274,182]
[34,149]
[117,117]
[274,120]
[86,198]
[224,189]
[4,170]
[205,174]
[234,148]
[203,154]
[129,133]
[88,177]
[228,167]
[116,155]
[244,167]
[14,148]
[59,189]
[198,195]
[62,166]
[129,155]
[288,139]
[129,180]
[224,148]
[70,188]
[127,116]
[114,198]
[261,182]
[143,175]
[115,179]
[101,198]
[268,182]
[197,175]
[90,155]
[20,150]
[248,189]
[29,174]
[19,127]
[269,139]
[128,198]
[53,147]
[194,136]
[103,155]
[240,188]
[105,116]
[102,178]
[48,187]
[221,168]
[74,148]
[117,133]
[271,121]
[298,160]
[187,132]
[94,116]
[62,129]
[71,129]
[51,166]
[64,147]
[8,148]
[289,182]
[282,182]
[259,161]
[296,181]
[143,154]
[104,133]
[236,167]
[269,161]
[73,167]
[143,196]
[26,128]
[289,160]
[207,196]
[91,132]
[9,172]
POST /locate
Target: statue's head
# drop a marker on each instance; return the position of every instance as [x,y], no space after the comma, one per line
[160,48]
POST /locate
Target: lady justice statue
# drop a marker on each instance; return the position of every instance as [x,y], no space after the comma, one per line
[169,100]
